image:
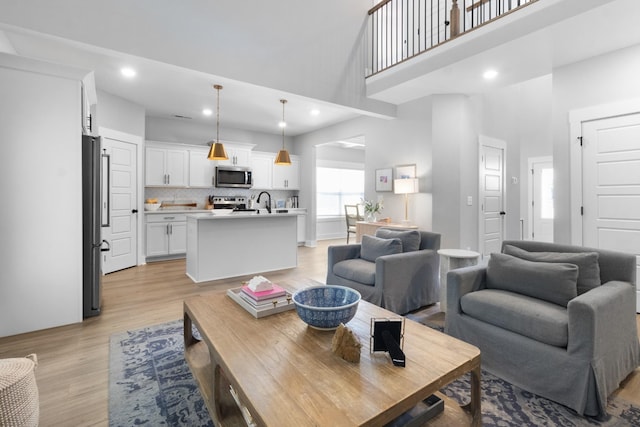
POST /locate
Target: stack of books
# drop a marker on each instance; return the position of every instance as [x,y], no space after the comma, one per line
[261,300]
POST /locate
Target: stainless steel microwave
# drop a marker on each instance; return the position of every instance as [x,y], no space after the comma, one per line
[233,176]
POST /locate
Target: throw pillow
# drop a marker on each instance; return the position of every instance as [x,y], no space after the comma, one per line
[553,282]
[587,262]
[410,238]
[374,247]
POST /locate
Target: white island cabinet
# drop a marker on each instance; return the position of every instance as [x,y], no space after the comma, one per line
[222,246]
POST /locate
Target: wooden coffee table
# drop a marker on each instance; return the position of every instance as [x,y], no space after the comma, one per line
[284,373]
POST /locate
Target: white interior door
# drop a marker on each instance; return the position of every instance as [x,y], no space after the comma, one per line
[541,200]
[491,194]
[611,185]
[122,230]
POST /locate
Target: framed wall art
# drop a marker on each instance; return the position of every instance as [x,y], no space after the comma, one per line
[405,171]
[384,179]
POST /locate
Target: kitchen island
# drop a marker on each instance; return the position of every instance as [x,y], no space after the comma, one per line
[238,244]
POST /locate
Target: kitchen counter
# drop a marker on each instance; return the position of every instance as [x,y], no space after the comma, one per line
[238,215]
[240,243]
[176,211]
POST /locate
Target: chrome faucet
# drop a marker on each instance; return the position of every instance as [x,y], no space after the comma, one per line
[268,201]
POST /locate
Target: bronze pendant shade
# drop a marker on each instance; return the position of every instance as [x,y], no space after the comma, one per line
[217,151]
[283,155]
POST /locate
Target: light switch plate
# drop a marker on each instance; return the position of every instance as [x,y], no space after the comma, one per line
[469,200]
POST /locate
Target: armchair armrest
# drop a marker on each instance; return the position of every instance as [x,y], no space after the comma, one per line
[337,253]
[603,321]
[405,276]
[462,281]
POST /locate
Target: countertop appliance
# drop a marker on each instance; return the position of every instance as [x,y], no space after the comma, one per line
[95,215]
[233,176]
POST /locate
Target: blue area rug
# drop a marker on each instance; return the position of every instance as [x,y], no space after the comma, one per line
[150,384]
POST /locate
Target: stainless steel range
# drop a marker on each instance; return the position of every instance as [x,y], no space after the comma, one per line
[237,203]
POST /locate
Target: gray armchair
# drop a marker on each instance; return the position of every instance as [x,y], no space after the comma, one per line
[556,320]
[400,282]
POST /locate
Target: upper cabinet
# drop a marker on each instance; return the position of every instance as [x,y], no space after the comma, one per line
[238,155]
[262,170]
[201,169]
[181,165]
[287,177]
[166,167]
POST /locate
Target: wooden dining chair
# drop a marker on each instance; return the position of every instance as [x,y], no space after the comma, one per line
[352,214]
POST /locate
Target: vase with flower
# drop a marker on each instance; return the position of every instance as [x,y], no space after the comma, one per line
[372,209]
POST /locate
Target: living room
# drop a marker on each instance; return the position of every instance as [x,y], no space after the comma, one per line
[438,133]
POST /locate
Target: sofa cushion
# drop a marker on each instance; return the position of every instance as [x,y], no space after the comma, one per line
[534,318]
[374,247]
[587,262]
[357,269]
[553,282]
[410,238]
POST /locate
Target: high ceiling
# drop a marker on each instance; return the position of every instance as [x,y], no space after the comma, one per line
[271,52]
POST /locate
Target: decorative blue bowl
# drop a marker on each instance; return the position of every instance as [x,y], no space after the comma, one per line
[325,307]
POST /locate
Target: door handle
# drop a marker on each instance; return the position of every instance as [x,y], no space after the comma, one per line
[107,249]
[134,211]
[503,213]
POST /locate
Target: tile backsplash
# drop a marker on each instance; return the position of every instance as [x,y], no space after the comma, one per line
[200,195]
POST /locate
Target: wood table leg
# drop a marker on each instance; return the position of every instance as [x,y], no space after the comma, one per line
[474,407]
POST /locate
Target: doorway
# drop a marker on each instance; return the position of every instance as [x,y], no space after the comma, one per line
[540,199]
[607,155]
[491,194]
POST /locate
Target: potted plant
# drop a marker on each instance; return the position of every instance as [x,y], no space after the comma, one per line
[372,209]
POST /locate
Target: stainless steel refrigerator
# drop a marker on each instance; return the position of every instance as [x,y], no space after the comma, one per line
[95,215]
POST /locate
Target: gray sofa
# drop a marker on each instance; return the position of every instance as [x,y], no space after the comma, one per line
[556,320]
[397,269]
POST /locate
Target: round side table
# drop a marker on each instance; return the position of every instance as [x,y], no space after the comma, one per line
[450,259]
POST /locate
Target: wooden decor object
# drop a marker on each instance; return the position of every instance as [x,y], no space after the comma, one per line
[346,344]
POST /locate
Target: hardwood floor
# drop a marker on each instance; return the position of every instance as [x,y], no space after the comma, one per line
[72,374]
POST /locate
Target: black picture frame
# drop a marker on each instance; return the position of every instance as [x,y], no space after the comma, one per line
[395,326]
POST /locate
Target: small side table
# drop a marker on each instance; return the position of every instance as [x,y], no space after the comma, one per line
[450,259]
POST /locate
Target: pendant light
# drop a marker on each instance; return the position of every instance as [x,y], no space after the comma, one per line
[283,155]
[217,151]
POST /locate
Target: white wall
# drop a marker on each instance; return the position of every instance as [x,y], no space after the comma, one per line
[114,112]
[601,80]
[41,187]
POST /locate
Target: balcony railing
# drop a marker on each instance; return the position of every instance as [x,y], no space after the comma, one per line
[402,29]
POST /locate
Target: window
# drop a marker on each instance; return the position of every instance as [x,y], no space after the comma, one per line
[336,188]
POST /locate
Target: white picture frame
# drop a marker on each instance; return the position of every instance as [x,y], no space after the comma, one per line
[405,171]
[384,179]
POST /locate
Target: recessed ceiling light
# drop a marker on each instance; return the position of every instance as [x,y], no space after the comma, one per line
[128,72]
[282,124]
[315,112]
[490,74]
[207,112]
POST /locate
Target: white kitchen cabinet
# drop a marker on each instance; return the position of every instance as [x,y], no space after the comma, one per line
[201,169]
[238,156]
[166,234]
[262,170]
[166,167]
[287,177]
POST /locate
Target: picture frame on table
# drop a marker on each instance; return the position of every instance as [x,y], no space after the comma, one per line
[384,179]
[405,171]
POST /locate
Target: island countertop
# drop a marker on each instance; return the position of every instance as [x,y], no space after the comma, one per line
[238,215]
[240,243]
